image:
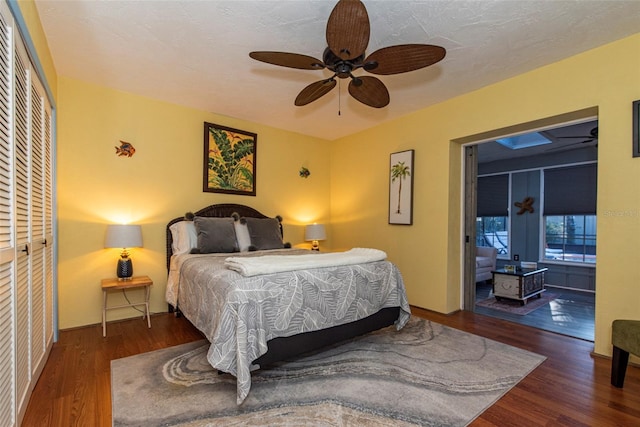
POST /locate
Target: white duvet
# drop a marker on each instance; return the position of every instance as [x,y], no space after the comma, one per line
[269,264]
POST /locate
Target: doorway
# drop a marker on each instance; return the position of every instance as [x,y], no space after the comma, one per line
[570,147]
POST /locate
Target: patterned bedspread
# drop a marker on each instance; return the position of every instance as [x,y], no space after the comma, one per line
[238,314]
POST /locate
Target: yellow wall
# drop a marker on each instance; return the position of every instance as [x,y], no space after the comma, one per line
[163,180]
[429,252]
[32,20]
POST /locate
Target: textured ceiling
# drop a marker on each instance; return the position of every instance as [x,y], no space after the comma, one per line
[195,53]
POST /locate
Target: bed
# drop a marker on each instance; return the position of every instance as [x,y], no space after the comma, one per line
[253,320]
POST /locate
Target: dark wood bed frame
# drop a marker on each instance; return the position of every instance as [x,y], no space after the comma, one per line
[288,347]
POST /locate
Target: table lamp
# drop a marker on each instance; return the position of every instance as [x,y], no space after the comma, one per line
[123,236]
[314,232]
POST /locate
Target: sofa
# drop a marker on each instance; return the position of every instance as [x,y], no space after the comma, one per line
[485,262]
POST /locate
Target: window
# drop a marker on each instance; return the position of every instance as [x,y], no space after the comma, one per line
[493,231]
[569,213]
[570,238]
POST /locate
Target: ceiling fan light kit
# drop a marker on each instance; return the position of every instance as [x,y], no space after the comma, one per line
[347,35]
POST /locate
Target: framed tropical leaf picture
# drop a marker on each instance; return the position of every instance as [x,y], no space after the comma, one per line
[401,188]
[229,160]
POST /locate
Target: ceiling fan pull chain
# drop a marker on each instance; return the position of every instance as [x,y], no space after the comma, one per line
[339,96]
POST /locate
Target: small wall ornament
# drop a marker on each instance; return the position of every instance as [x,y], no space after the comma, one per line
[125,149]
[304,172]
[525,206]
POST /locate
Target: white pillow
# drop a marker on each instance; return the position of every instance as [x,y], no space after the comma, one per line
[184,237]
[242,236]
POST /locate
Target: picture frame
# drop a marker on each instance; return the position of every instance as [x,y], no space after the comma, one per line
[636,128]
[401,172]
[229,160]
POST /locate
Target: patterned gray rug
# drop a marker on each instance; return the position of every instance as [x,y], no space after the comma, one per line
[426,374]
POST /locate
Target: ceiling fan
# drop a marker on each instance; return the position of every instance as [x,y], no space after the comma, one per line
[593,136]
[347,39]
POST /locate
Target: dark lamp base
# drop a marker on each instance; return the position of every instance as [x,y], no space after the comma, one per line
[124,270]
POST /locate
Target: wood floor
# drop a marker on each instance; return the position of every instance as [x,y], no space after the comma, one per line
[571,388]
[571,313]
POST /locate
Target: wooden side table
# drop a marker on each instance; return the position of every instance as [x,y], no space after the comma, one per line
[116,284]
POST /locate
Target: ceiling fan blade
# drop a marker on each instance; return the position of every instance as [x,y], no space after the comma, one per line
[348,29]
[314,91]
[574,137]
[593,134]
[291,60]
[403,58]
[370,91]
[568,146]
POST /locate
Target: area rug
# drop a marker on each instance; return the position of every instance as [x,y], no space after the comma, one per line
[426,374]
[514,307]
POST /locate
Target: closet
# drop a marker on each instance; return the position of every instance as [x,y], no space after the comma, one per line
[26,224]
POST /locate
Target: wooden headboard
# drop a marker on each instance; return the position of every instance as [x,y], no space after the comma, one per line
[223,210]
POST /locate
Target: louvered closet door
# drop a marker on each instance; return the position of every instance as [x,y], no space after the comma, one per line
[48,226]
[26,224]
[22,218]
[7,247]
[37,223]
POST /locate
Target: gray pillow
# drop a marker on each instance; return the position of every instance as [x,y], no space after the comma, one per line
[215,235]
[265,233]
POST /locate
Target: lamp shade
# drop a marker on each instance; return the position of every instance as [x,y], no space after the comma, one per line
[314,232]
[123,236]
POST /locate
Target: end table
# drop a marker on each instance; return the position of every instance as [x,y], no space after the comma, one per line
[117,284]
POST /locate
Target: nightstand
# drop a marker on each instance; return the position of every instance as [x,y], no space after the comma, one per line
[116,284]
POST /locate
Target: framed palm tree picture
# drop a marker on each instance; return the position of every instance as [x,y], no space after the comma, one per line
[401,188]
[229,160]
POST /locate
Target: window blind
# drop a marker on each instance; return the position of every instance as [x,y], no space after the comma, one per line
[570,190]
[493,195]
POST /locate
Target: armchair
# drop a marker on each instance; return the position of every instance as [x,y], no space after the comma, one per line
[625,339]
[485,262]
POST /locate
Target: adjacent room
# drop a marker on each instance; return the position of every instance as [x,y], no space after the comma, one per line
[257,212]
[536,202]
